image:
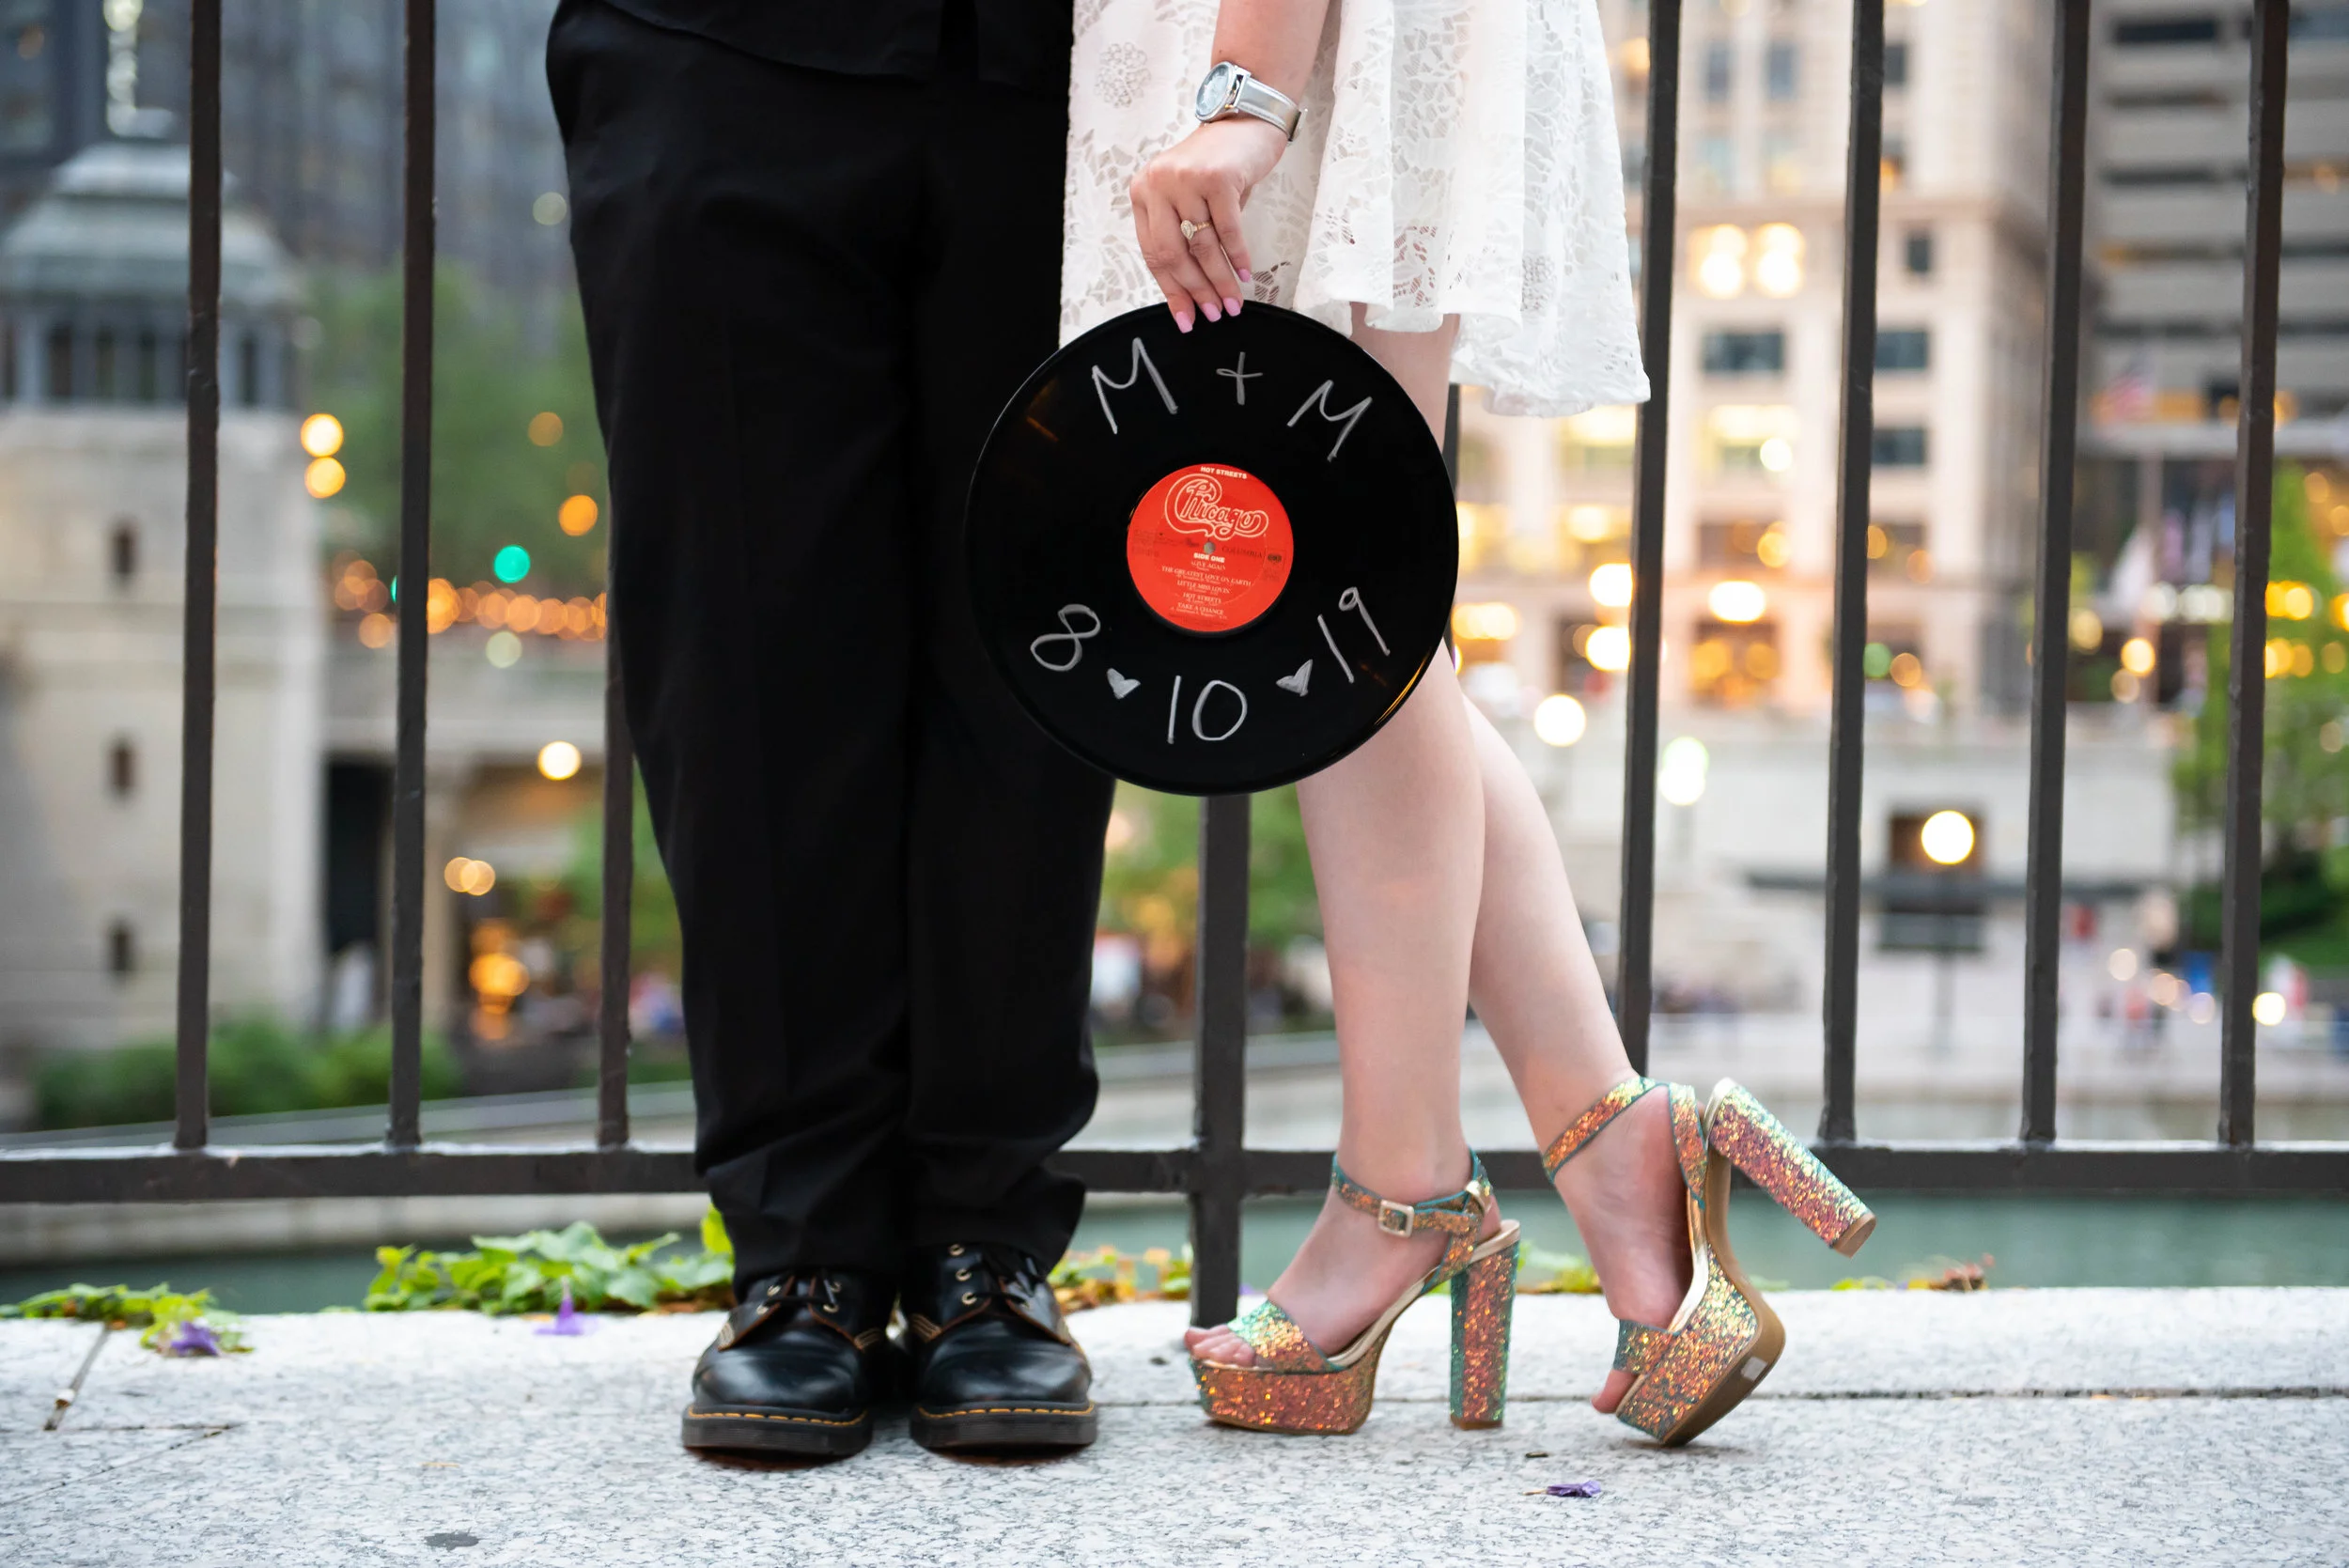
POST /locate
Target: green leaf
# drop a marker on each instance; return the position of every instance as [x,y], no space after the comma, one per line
[635,1286]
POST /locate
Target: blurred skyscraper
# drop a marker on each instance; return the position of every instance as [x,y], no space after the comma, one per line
[2169,145]
[311,119]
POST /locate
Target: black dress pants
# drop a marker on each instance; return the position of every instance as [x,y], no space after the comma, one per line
[807,296]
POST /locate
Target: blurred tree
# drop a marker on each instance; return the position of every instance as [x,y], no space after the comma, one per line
[501,469]
[655,941]
[1150,885]
[258,1065]
[2305,778]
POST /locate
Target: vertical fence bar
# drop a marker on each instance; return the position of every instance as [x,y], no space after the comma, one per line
[1635,914]
[415,574]
[1219,1073]
[619,889]
[198,664]
[2254,485]
[1847,726]
[2042,908]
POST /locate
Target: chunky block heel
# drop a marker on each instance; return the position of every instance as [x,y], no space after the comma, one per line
[1759,1144]
[1292,1387]
[1484,1299]
[1724,1339]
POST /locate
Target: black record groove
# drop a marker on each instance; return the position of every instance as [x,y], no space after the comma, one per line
[1212,562]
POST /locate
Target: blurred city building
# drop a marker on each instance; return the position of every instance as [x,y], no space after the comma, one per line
[93,496]
[310,119]
[1749,531]
[2168,153]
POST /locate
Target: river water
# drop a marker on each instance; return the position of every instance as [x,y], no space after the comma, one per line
[2032,1241]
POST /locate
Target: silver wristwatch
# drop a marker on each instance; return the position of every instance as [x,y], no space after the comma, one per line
[1228,89]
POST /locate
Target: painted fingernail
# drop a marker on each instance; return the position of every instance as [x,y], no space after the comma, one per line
[1182,321]
[1247,276]
[1231,304]
[1210,312]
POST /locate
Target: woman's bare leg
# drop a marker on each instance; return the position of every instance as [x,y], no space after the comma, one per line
[1397,832]
[1538,994]
[1436,867]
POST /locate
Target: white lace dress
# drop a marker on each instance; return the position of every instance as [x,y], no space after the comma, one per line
[1456,157]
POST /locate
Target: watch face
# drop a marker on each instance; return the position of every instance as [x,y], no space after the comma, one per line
[1215,90]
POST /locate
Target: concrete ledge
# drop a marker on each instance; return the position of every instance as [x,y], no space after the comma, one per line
[2073,1426]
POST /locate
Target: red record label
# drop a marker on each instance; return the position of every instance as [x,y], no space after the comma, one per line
[1209,548]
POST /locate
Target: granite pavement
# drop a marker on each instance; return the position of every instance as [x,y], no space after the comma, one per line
[2081,1426]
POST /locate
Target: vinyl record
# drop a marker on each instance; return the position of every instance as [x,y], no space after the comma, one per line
[1212,562]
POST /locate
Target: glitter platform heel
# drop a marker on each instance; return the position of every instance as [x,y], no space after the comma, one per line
[1724,1338]
[1294,1388]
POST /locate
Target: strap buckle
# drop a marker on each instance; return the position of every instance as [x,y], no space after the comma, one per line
[1395,1219]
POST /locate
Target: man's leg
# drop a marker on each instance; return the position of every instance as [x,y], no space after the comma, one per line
[744,234]
[1002,874]
[1005,869]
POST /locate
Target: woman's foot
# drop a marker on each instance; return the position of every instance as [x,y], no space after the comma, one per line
[1347,1272]
[1626,1193]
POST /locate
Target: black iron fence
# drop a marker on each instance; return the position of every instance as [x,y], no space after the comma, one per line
[1216,1172]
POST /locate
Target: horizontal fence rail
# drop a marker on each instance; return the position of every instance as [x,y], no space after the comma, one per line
[1218,1171]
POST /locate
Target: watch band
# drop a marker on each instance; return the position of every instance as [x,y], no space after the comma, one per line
[1270,104]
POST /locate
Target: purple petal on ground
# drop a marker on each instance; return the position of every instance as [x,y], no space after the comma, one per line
[1573,1489]
[568,1318]
[194,1338]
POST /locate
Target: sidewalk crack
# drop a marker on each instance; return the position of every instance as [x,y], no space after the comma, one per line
[139,1458]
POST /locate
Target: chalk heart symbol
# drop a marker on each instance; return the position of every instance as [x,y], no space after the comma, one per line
[1299,681]
[1122,686]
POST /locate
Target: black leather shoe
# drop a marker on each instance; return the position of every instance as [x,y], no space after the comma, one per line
[993,1363]
[797,1367]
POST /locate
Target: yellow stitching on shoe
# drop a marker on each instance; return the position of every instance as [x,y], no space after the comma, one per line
[1002,1410]
[693,1414]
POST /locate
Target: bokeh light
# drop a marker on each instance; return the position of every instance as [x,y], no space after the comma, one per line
[1947,837]
[1778,271]
[1680,771]
[2268,1008]
[546,429]
[1610,584]
[1558,719]
[1720,260]
[1493,622]
[577,515]
[511,565]
[323,477]
[468,875]
[558,760]
[1608,648]
[502,649]
[1737,601]
[322,435]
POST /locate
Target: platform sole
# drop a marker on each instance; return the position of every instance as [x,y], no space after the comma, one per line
[749,1430]
[1005,1426]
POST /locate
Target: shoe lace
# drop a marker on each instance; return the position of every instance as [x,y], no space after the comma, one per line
[805,1289]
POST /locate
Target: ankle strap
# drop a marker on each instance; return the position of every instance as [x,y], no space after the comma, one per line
[1588,1125]
[1459,1215]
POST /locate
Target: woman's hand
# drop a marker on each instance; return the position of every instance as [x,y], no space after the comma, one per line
[1203,178]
